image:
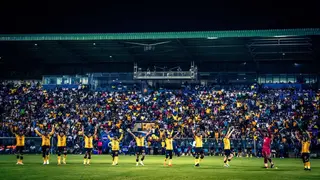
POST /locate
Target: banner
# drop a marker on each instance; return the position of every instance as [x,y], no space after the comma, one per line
[148,126]
[143,126]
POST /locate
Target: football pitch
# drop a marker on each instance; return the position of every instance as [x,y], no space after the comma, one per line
[183,168]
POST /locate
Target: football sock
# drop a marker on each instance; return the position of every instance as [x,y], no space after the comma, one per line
[197,161]
[59,159]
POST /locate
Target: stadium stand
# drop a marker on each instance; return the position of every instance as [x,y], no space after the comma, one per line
[246,79]
[27,106]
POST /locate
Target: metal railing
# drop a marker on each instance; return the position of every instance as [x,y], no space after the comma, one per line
[164,75]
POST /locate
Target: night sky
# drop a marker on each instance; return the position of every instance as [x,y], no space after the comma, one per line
[123,16]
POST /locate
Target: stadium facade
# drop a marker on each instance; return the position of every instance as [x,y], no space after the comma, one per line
[216,57]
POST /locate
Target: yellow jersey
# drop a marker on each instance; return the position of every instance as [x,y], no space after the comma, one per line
[62,141]
[45,139]
[88,142]
[163,144]
[20,140]
[162,133]
[305,147]
[140,141]
[169,143]
[115,144]
[226,142]
[198,140]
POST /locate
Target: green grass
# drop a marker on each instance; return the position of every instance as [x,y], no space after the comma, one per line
[100,169]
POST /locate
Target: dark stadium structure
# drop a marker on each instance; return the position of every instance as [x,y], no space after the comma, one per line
[215,53]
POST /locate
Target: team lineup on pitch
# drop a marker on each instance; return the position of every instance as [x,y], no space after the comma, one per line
[166,136]
[183,168]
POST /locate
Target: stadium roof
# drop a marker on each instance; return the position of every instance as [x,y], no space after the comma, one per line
[162,35]
[263,51]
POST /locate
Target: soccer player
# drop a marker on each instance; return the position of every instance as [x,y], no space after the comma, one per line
[305,149]
[45,144]
[62,143]
[20,139]
[88,145]
[199,155]
[169,148]
[140,149]
[227,151]
[266,147]
[115,146]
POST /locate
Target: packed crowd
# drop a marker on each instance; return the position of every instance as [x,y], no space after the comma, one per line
[27,106]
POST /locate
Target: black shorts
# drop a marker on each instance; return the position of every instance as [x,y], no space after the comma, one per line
[19,149]
[44,148]
[140,150]
[227,152]
[62,149]
[88,150]
[198,150]
[305,157]
[169,152]
[115,152]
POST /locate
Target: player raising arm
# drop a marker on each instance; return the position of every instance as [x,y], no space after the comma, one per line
[20,142]
[199,155]
[115,146]
[305,149]
[88,145]
[45,146]
[140,149]
[61,144]
[169,147]
[227,151]
[266,148]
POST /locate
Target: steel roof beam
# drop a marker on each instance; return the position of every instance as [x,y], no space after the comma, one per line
[285,52]
[276,39]
[289,44]
[216,46]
